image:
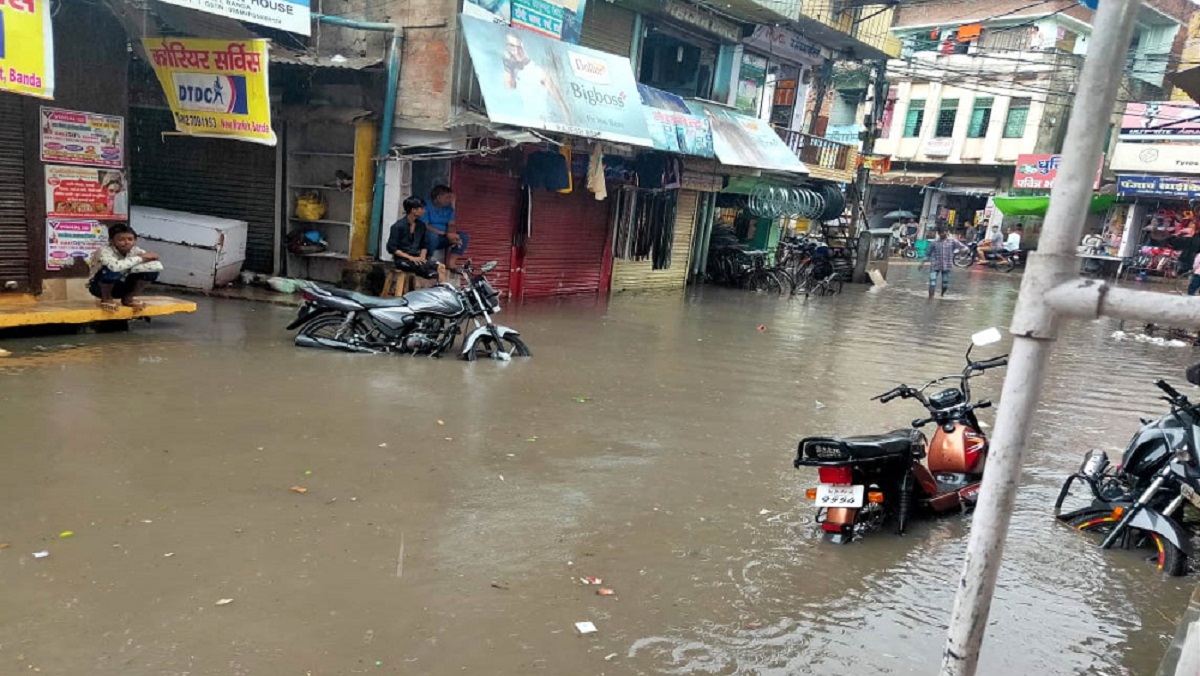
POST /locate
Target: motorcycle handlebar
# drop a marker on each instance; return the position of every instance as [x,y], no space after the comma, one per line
[990,363]
[921,422]
[1166,387]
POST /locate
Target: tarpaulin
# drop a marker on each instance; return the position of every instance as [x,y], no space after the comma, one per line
[1037,206]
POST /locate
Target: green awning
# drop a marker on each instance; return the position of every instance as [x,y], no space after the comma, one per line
[1036,206]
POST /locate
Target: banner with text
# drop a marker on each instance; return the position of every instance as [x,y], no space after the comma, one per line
[76,137]
[1135,185]
[293,16]
[71,240]
[1038,172]
[216,88]
[26,48]
[73,192]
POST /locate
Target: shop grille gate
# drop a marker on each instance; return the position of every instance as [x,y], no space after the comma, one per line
[1051,291]
[14,227]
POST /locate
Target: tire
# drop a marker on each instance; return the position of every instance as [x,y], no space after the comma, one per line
[515,347]
[764,281]
[910,252]
[964,259]
[1008,264]
[832,287]
[1171,560]
[326,326]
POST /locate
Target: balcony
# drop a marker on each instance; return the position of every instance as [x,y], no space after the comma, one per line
[825,159]
[849,26]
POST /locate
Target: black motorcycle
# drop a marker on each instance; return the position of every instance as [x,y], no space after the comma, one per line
[1140,503]
[421,322]
[1006,260]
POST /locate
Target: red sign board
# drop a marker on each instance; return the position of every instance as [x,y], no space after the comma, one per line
[1037,172]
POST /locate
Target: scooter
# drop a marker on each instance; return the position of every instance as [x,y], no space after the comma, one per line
[1140,503]
[866,480]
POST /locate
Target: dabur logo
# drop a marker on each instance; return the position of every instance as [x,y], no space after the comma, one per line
[211,93]
[589,68]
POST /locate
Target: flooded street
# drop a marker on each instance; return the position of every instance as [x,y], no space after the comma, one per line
[648,442]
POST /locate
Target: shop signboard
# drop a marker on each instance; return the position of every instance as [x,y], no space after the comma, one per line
[215,88]
[293,16]
[744,141]
[704,19]
[495,11]
[784,44]
[532,81]
[77,137]
[1156,157]
[26,48]
[752,78]
[68,240]
[673,127]
[939,147]
[86,192]
[1141,185]
[1160,121]
[1038,172]
[558,19]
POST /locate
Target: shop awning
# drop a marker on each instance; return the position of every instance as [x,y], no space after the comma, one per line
[1037,206]
[968,185]
[914,179]
[673,127]
[742,141]
[540,83]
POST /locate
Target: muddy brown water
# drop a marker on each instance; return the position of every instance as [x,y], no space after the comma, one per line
[422,548]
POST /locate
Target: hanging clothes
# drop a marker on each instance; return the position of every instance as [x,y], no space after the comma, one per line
[565,151]
[548,170]
[595,173]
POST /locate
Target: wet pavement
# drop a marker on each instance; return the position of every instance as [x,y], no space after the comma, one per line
[648,442]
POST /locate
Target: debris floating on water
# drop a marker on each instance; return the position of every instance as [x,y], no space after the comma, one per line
[585,627]
[66,534]
[591,580]
[298,489]
[223,602]
[41,555]
[605,591]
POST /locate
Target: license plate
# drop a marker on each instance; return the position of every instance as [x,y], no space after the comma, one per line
[829,495]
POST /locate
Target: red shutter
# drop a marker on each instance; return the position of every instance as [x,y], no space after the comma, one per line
[566,253]
[487,203]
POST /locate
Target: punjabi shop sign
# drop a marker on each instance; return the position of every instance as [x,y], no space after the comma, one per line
[540,83]
[26,48]
[216,88]
[293,16]
[1138,185]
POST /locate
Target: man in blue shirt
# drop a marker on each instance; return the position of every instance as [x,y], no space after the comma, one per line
[444,241]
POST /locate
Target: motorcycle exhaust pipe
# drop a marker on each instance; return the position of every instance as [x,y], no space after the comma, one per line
[312,341]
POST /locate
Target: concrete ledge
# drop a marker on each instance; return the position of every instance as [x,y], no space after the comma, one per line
[1183,657]
[85,311]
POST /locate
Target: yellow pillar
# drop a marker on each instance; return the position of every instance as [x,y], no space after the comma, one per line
[364,184]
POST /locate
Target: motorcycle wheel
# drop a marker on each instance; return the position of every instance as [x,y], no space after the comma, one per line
[1171,560]
[964,259]
[1008,264]
[513,345]
[326,326]
[910,252]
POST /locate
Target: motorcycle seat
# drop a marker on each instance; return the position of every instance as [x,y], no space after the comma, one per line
[836,450]
[368,301]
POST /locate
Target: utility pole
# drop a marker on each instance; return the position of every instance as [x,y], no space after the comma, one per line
[1051,289]
[861,188]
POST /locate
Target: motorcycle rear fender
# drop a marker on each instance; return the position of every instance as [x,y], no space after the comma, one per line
[307,312]
[477,334]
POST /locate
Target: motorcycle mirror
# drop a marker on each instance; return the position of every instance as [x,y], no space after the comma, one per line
[489,266]
[1193,374]
[987,336]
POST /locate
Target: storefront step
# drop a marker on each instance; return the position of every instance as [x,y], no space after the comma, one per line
[85,311]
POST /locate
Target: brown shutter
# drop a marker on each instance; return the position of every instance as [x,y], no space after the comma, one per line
[607,28]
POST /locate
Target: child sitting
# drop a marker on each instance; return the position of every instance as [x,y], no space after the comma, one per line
[121,269]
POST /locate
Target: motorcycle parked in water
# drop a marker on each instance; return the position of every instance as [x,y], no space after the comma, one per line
[1006,260]
[1140,503]
[425,321]
[866,480]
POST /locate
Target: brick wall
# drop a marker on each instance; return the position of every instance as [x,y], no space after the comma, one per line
[427,67]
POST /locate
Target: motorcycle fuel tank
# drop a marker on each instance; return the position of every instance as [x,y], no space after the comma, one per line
[394,318]
[439,300]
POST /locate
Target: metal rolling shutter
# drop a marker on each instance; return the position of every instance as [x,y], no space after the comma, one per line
[608,28]
[640,275]
[486,204]
[215,177]
[565,255]
[14,229]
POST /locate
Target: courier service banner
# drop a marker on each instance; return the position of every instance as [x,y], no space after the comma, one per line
[26,48]
[216,88]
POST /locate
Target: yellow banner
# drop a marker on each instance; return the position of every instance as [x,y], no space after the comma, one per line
[26,48]
[215,87]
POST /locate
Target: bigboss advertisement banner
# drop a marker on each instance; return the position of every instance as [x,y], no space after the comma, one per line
[26,48]
[216,88]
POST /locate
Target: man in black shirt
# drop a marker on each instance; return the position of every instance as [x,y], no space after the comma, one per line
[406,242]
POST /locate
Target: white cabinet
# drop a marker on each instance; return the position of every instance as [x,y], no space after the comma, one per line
[197,251]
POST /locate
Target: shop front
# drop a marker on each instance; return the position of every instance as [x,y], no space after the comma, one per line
[1156,224]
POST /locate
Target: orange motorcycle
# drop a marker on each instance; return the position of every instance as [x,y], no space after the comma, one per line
[867,480]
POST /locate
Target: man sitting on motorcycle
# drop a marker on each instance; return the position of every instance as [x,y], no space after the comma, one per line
[406,242]
[993,245]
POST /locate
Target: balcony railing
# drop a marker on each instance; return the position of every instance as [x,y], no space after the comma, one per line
[818,152]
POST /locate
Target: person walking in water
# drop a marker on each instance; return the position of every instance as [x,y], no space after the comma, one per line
[940,257]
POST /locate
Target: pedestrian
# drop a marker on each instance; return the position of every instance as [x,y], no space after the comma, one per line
[1194,283]
[969,233]
[407,243]
[444,241]
[940,257]
[121,269]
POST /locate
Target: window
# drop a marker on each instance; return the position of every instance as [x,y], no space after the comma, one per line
[914,118]
[1018,113]
[981,116]
[945,119]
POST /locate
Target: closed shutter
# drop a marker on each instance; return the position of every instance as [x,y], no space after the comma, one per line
[641,275]
[14,228]
[565,255]
[486,204]
[608,28]
[214,177]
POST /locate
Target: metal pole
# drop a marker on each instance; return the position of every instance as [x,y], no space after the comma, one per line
[1034,327]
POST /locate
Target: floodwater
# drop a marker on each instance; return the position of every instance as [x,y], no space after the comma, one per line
[648,442]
